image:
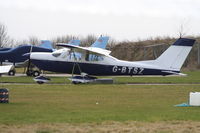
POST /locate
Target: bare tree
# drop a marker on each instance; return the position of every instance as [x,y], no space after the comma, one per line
[21,42]
[88,40]
[183,29]
[12,43]
[34,40]
[4,38]
[111,43]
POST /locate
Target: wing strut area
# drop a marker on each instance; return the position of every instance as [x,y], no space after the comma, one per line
[75,63]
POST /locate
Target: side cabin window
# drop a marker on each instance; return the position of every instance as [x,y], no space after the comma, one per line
[75,56]
[93,57]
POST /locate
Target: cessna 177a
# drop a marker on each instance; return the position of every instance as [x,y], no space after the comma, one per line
[99,62]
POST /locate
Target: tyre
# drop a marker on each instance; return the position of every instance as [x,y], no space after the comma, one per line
[36,73]
[11,73]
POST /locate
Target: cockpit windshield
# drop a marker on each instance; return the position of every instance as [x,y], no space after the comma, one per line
[56,54]
[59,52]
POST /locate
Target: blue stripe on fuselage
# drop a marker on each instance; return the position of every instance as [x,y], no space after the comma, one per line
[95,69]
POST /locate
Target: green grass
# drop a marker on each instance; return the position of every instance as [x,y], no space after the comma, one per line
[78,104]
[192,77]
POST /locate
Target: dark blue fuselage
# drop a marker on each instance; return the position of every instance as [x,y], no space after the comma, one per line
[15,55]
[95,69]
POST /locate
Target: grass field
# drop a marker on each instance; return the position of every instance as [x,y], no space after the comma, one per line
[101,108]
[96,103]
[192,77]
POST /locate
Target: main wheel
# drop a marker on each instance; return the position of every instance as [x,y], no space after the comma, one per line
[36,73]
[11,73]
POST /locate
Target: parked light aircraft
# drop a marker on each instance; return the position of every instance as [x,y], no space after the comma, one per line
[15,56]
[101,42]
[99,62]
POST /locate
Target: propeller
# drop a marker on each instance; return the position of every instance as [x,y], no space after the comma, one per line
[28,72]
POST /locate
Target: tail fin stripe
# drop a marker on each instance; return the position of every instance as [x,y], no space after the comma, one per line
[184,42]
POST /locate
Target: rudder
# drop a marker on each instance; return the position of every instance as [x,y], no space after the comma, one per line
[174,57]
[101,42]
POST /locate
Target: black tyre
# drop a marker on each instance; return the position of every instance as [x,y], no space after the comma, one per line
[11,73]
[36,73]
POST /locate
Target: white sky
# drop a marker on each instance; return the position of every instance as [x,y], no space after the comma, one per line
[120,19]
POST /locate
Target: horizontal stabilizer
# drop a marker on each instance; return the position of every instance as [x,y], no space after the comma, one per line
[174,73]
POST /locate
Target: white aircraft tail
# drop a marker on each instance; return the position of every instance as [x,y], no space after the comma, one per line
[174,57]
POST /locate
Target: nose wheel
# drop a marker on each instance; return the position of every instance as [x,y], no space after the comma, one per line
[11,73]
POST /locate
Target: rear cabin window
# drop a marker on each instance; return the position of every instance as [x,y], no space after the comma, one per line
[92,57]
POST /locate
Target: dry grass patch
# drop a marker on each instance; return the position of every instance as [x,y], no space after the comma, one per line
[106,127]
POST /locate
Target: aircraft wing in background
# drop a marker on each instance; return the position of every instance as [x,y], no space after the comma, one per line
[72,42]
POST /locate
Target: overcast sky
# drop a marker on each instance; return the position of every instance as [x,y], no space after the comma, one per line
[120,19]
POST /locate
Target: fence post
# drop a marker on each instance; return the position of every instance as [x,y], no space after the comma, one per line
[198,52]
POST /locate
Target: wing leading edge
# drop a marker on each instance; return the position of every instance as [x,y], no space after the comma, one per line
[94,50]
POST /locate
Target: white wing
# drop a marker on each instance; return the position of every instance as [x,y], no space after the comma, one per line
[93,50]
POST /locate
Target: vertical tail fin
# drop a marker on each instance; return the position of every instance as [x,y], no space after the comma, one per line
[101,42]
[46,44]
[174,57]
